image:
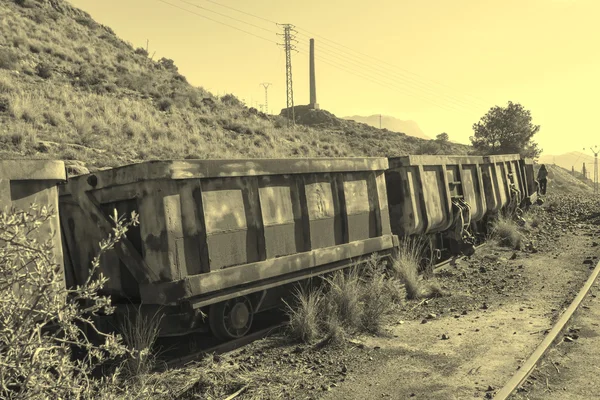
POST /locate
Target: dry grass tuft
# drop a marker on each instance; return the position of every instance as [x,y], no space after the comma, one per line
[304,314]
[335,332]
[405,268]
[140,332]
[377,298]
[506,232]
[343,297]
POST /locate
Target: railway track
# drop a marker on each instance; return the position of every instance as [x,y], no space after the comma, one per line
[530,364]
[259,333]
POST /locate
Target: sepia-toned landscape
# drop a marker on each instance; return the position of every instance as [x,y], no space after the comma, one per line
[184,218]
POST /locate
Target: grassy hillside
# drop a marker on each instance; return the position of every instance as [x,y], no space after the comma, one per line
[70,89]
[561,181]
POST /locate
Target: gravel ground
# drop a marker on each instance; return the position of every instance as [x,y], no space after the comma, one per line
[466,345]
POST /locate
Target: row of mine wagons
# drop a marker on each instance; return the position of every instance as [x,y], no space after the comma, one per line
[206,225]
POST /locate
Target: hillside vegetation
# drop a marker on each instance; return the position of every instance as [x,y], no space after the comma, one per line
[561,181]
[71,89]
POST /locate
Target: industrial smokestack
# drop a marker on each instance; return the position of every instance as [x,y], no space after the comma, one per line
[313,85]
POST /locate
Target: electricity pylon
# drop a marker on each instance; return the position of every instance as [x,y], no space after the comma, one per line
[266,86]
[596,151]
[289,44]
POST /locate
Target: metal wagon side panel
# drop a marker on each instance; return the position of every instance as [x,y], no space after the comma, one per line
[421,190]
[24,182]
[212,228]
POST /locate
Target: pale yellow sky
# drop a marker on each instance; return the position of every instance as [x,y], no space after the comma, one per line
[440,63]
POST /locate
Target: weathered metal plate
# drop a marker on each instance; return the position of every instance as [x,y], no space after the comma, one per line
[24,182]
[33,170]
[416,160]
[203,284]
[200,169]
[323,212]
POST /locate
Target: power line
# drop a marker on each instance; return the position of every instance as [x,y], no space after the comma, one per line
[349,54]
[382,61]
[226,16]
[405,79]
[381,82]
[217,21]
[293,48]
[240,11]
[384,84]
[387,76]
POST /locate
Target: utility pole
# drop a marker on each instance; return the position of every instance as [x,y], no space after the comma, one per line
[266,86]
[289,44]
[379,121]
[595,167]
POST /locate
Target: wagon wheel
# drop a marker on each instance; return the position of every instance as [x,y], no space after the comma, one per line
[231,319]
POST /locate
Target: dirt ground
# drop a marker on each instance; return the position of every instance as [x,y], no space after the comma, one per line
[570,369]
[467,345]
[472,349]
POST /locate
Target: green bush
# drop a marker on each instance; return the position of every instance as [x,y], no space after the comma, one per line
[44,324]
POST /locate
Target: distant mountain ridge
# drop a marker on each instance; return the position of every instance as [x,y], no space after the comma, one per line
[393,124]
[569,160]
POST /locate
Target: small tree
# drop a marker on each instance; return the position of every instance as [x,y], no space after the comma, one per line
[506,130]
[167,63]
[442,138]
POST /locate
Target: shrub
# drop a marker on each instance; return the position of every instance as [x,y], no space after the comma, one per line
[334,329]
[141,51]
[21,137]
[237,127]
[19,42]
[168,64]
[86,21]
[4,104]
[231,100]
[8,59]
[89,77]
[43,323]
[43,71]
[180,78]
[165,104]
[35,49]
[6,85]
[25,3]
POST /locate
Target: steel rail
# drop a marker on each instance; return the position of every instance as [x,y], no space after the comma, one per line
[527,368]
